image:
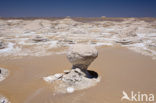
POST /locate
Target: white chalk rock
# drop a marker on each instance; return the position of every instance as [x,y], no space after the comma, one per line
[53,77]
[81,55]
[58,75]
[49,79]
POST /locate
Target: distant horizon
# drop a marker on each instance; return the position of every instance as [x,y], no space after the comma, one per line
[78,8]
[73,17]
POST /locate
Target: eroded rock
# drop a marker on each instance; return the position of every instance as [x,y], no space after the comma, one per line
[73,80]
[78,77]
[81,55]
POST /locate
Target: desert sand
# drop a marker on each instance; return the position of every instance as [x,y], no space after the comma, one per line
[31,49]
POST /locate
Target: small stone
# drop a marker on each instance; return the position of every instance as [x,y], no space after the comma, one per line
[70,90]
[66,71]
[50,78]
[80,72]
[124,42]
[39,39]
[58,75]
[53,77]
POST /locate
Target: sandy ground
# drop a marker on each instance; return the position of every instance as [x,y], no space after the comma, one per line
[120,69]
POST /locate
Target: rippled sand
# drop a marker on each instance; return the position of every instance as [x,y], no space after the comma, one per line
[120,69]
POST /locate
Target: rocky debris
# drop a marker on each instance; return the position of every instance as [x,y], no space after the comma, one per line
[65,42]
[69,41]
[52,78]
[69,31]
[3,74]
[3,99]
[152,46]
[78,77]
[66,71]
[39,39]
[81,56]
[78,32]
[72,80]
[2,45]
[124,42]
[130,31]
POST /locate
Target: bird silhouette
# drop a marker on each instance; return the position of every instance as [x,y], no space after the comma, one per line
[125,96]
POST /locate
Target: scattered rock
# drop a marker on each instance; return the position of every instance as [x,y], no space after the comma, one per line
[65,42]
[75,79]
[2,45]
[130,31]
[58,75]
[152,46]
[69,41]
[3,100]
[73,76]
[124,42]
[3,74]
[39,39]
[66,71]
[52,78]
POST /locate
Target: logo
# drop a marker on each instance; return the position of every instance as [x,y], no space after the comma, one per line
[138,96]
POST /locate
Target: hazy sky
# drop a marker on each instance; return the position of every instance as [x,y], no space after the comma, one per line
[78,8]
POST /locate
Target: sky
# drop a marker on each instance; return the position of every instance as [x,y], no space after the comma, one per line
[77,8]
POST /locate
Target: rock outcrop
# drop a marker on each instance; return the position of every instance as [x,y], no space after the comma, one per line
[81,56]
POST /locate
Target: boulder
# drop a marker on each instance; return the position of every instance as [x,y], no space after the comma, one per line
[81,56]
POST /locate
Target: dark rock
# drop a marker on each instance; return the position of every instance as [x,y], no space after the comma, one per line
[124,42]
[39,39]
[2,45]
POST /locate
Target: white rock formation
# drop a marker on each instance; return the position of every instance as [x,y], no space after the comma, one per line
[78,77]
[81,56]
[71,81]
[58,32]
